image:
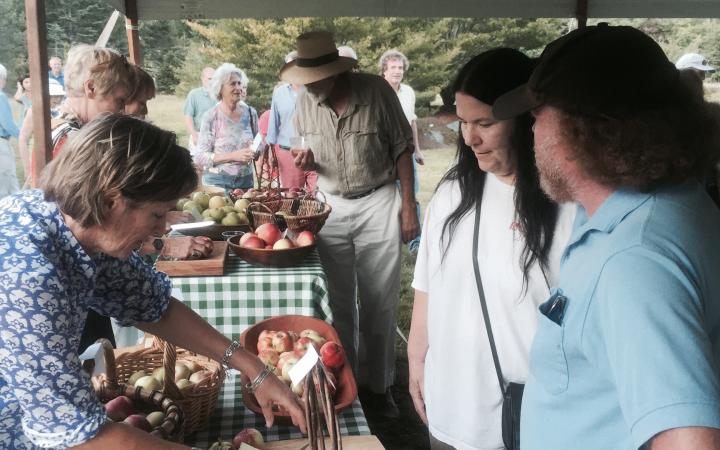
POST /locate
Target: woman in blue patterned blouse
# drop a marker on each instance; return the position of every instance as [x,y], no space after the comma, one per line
[71,247]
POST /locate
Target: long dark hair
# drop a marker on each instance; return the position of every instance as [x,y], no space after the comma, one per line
[486,77]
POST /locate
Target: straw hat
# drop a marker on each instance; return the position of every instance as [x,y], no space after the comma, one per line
[317,59]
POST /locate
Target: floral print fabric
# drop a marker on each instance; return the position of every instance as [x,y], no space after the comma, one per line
[47,283]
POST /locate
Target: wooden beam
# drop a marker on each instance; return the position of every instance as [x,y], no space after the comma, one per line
[37,51]
[133,36]
[581,13]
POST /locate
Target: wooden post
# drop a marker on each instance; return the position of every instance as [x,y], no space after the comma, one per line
[133,36]
[37,52]
[581,13]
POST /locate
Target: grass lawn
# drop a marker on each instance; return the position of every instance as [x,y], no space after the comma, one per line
[166,112]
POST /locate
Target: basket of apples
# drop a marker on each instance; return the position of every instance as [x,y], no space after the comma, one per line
[297,213]
[150,411]
[268,246]
[281,341]
[190,380]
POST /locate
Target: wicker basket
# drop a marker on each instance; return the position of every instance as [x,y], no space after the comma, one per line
[197,401]
[107,388]
[298,214]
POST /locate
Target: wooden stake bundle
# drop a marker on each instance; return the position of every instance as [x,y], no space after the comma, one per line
[319,403]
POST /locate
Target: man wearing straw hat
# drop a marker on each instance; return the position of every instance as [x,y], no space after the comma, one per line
[359,142]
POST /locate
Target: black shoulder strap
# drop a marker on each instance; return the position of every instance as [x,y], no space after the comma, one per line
[481,294]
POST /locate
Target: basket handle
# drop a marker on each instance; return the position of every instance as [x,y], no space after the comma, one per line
[169,359]
[251,217]
[323,202]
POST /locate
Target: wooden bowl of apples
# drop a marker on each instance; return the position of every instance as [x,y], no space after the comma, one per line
[282,340]
[266,246]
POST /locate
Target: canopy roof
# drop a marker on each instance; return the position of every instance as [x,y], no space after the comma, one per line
[217,9]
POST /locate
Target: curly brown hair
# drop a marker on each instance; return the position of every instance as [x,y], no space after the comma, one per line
[648,147]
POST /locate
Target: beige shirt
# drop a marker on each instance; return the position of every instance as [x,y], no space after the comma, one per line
[357,151]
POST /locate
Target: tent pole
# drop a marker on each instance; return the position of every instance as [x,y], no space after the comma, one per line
[133,36]
[581,8]
[37,54]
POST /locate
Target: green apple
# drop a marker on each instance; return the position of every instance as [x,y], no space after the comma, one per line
[241,204]
[188,206]
[231,219]
[217,201]
[180,203]
[202,199]
[228,209]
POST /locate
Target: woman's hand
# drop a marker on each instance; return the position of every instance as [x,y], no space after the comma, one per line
[186,247]
[243,156]
[273,391]
[416,387]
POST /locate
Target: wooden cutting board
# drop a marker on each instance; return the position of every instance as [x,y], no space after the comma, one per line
[349,443]
[212,265]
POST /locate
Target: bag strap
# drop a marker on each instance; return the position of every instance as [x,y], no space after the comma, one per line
[481,294]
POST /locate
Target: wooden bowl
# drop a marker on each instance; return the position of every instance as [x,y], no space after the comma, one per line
[346,389]
[270,258]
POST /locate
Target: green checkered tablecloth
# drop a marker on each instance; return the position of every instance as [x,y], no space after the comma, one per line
[245,295]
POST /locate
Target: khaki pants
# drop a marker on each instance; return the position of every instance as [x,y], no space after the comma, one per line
[360,249]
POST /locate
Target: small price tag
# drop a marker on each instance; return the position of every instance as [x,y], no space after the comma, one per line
[304,366]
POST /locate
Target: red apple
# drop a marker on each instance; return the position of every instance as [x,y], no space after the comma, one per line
[305,238]
[283,244]
[249,436]
[269,357]
[332,355]
[301,346]
[245,237]
[119,408]
[268,247]
[253,242]
[138,421]
[282,342]
[265,343]
[269,232]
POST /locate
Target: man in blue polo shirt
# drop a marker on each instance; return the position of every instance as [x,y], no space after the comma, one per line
[627,349]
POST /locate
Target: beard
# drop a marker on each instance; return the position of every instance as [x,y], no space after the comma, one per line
[553,180]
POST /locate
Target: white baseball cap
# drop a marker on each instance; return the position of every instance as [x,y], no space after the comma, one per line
[694,61]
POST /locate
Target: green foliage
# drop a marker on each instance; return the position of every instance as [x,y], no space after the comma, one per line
[436,48]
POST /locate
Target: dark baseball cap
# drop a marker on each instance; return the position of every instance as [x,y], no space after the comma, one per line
[601,69]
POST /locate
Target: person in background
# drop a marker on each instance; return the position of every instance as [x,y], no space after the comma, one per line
[358,159]
[136,103]
[521,237]
[56,70]
[70,247]
[227,132]
[8,178]
[281,129]
[627,349]
[197,102]
[22,96]
[393,66]
[97,80]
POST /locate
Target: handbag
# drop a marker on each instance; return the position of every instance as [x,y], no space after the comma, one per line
[512,394]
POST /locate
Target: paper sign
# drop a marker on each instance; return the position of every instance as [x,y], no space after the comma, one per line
[95,351]
[304,366]
[186,226]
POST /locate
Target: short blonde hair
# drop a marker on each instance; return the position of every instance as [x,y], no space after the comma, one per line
[108,69]
[393,55]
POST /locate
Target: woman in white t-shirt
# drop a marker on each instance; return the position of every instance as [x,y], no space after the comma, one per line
[453,381]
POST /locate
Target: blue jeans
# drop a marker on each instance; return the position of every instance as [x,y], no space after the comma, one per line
[228,182]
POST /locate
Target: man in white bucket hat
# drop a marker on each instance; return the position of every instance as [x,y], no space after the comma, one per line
[360,142]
